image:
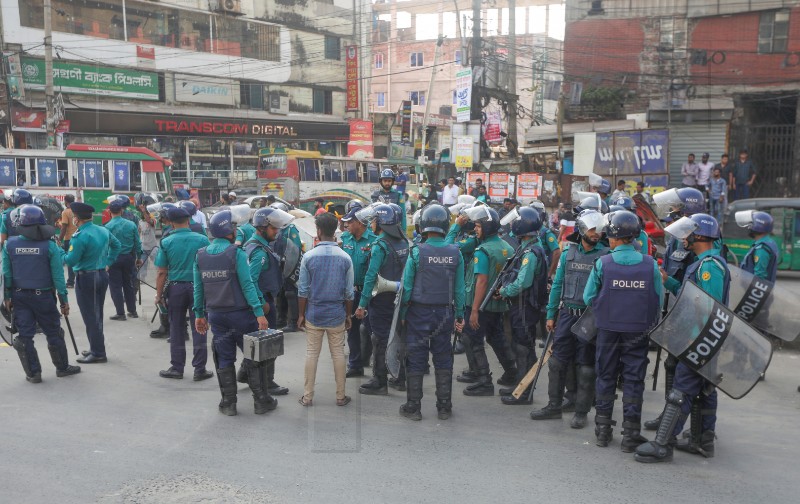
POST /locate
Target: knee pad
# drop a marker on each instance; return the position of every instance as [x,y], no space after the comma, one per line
[675,397]
[585,373]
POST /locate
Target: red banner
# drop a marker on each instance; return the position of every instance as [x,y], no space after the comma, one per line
[360,145]
[24,119]
[351,74]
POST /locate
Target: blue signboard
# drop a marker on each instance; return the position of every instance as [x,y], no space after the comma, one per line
[122,181]
[90,173]
[8,172]
[47,172]
[632,152]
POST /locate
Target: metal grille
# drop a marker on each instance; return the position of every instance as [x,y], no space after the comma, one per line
[772,150]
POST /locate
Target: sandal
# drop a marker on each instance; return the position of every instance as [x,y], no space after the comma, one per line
[343,401]
[305,402]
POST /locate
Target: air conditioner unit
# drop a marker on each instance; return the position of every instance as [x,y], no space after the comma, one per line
[229,6]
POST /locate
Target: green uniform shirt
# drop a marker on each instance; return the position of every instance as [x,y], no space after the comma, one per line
[258,262]
[56,255]
[623,254]
[92,248]
[242,273]
[359,252]
[244,232]
[644,242]
[527,271]
[178,253]
[710,276]
[3,229]
[128,235]
[410,272]
[550,241]
[554,301]
[762,257]
[292,234]
[490,257]
[376,257]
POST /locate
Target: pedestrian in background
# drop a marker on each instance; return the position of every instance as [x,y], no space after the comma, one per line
[68,229]
[689,172]
[725,170]
[325,301]
[704,173]
[718,194]
[743,174]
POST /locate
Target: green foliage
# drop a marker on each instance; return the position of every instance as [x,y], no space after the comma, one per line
[606,101]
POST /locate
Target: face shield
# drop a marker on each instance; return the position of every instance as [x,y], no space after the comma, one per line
[477,213]
[418,214]
[366,215]
[744,218]
[590,219]
[510,217]
[297,213]
[154,209]
[537,205]
[466,199]
[595,180]
[240,213]
[667,199]
[682,228]
[279,219]
[582,195]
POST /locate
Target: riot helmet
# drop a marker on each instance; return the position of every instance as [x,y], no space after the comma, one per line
[29,215]
[221,224]
[434,219]
[592,202]
[528,223]
[21,197]
[626,202]
[756,221]
[387,173]
[690,228]
[487,217]
[685,201]
[350,205]
[588,220]
[187,205]
[622,224]
[143,199]
[274,217]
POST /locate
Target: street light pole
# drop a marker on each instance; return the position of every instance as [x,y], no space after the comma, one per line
[50,126]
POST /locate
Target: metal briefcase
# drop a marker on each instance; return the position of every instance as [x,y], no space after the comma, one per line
[263,345]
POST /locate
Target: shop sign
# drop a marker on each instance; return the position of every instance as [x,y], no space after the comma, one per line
[351,74]
[207,90]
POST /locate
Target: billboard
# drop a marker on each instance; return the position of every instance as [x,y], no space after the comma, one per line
[351,75]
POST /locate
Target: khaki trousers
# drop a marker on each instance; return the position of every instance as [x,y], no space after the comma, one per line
[336,336]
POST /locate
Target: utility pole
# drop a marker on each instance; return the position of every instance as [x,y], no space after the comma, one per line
[48,75]
[434,69]
[476,63]
[512,75]
[562,98]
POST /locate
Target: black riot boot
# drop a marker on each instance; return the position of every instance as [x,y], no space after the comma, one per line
[398,383]
[258,380]
[366,345]
[660,448]
[484,385]
[525,359]
[571,384]
[377,385]
[631,434]
[584,396]
[241,375]
[412,408]
[444,393]
[669,378]
[695,422]
[696,440]
[28,358]
[468,375]
[227,385]
[58,354]
[603,428]
[555,391]
[163,329]
[272,387]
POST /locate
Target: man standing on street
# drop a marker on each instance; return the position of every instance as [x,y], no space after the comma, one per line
[704,174]
[743,175]
[725,171]
[67,230]
[91,251]
[478,183]
[689,172]
[450,193]
[319,206]
[401,181]
[121,273]
[325,299]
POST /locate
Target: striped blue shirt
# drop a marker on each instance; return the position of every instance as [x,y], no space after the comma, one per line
[326,281]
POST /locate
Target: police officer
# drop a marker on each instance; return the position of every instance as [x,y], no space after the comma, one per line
[433,294]
[161,212]
[245,230]
[17,198]
[388,195]
[683,202]
[123,202]
[286,302]
[91,251]
[357,242]
[462,234]
[266,272]
[762,258]
[489,259]
[564,308]
[224,292]
[174,288]
[122,273]
[709,271]
[625,291]
[388,256]
[524,287]
[547,238]
[33,274]
[191,209]
[642,242]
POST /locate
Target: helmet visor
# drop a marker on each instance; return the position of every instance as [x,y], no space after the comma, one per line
[366,214]
[456,209]
[667,199]
[240,213]
[744,218]
[279,219]
[682,228]
[415,218]
[154,208]
[582,195]
[477,213]
[509,217]
[590,219]
[466,199]
[595,180]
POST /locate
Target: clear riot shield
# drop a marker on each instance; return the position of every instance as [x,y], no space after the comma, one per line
[714,342]
[147,272]
[396,347]
[291,264]
[764,305]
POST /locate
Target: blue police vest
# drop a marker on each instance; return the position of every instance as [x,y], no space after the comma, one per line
[676,259]
[386,197]
[628,300]
[577,269]
[749,263]
[221,286]
[30,263]
[11,230]
[197,228]
[394,262]
[536,294]
[436,273]
[691,273]
[270,280]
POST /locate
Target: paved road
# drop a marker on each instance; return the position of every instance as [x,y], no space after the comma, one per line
[117,433]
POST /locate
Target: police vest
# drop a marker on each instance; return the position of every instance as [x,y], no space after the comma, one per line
[749,262]
[536,294]
[279,245]
[496,253]
[221,287]
[577,268]
[30,263]
[197,228]
[386,197]
[434,283]
[11,230]
[165,232]
[691,273]
[628,300]
[676,259]
[271,279]
[394,262]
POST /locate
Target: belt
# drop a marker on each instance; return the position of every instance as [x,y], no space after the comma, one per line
[81,272]
[37,291]
[180,281]
[575,312]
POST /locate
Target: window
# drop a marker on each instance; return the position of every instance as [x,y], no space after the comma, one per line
[333,48]
[773,32]
[252,95]
[455,97]
[416,59]
[323,102]
[457,57]
[379,60]
[381,100]
[417,97]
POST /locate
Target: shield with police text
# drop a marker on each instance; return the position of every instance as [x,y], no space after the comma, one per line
[396,348]
[764,305]
[710,339]
[291,261]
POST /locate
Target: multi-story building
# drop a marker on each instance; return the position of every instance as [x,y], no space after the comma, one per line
[721,76]
[203,82]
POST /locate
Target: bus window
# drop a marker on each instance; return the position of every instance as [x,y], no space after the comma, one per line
[46,173]
[273,162]
[308,170]
[351,173]
[22,168]
[92,173]
[8,172]
[336,171]
[153,182]
[373,173]
[63,173]
[325,170]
